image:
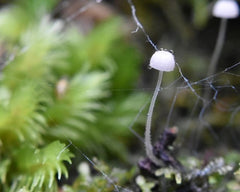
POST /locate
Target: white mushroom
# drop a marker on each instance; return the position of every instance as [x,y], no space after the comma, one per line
[161,61]
[227,9]
[224,9]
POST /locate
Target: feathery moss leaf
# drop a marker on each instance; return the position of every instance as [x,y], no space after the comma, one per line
[36,168]
[4,167]
[16,18]
[70,111]
[38,42]
[17,114]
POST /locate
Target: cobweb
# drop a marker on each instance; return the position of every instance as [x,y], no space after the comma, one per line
[197,121]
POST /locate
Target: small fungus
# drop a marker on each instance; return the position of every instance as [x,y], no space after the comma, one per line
[61,87]
[162,61]
[227,9]
[223,9]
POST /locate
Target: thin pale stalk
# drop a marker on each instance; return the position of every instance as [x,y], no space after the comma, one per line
[148,142]
[218,47]
[212,68]
[216,54]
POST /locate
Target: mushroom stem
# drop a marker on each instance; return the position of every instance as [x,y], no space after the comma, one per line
[148,142]
[218,46]
[216,54]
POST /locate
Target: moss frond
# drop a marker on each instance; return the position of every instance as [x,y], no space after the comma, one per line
[39,41]
[14,19]
[20,119]
[36,168]
[4,168]
[70,112]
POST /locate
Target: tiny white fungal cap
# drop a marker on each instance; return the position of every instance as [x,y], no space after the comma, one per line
[227,9]
[162,61]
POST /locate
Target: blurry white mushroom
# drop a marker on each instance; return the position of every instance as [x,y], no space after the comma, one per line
[161,61]
[61,87]
[227,9]
[224,9]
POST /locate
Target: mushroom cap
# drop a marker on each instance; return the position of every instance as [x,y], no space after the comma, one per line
[226,9]
[162,61]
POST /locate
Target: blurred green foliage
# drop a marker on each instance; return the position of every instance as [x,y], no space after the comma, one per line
[57,84]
